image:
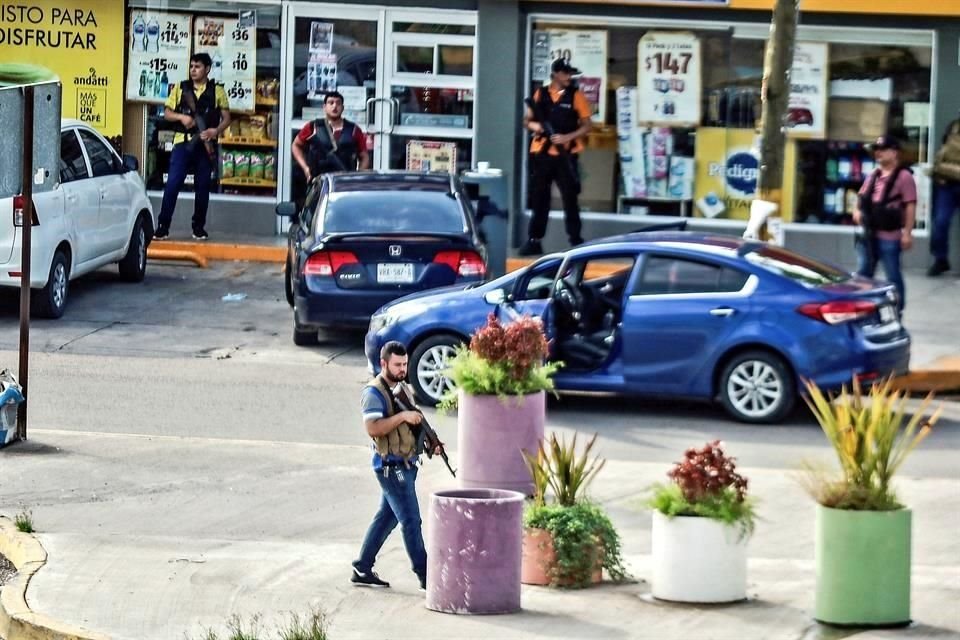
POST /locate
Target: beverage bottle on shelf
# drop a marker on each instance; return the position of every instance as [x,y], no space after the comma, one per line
[829,201]
[143,83]
[856,169]
[139,35]
[831,165]
[844,168]
[153,36]
[164,85]
[839,198]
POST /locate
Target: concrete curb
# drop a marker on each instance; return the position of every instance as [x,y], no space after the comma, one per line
[17,620]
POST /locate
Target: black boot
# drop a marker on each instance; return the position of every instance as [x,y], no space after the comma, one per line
[531,248]
[939,266]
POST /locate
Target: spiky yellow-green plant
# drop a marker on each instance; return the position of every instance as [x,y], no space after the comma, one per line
[871,442]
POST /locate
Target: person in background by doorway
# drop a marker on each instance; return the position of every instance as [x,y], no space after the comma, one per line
[200,111]
[946,198]
[559,117]
[886,210]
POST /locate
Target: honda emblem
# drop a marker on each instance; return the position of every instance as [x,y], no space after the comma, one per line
[395,250]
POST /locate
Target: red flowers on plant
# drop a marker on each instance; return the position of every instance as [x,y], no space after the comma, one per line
[707,472]
[519,346]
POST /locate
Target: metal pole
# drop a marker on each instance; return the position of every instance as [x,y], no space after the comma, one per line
[26,226]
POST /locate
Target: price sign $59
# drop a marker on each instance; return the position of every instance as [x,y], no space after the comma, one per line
[663,62]
[238,91]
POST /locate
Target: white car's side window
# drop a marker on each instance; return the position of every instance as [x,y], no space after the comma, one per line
[103,162]
[72,164]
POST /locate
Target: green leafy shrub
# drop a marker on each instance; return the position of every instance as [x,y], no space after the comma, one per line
[23,521]
[868,435]
[502,360]
[584,538]
[706,484]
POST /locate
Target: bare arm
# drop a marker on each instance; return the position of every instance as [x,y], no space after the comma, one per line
[172,116]
[364,158]
[300,156]
[586,125]
[909,218]
[379,427]
[529,123]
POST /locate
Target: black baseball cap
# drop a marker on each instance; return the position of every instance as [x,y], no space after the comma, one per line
[884,142]
[560,65]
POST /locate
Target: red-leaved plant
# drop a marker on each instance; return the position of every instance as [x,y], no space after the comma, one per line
[706,484]
[502,359]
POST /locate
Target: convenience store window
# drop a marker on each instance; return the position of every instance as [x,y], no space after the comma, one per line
[244,41]
[848,91]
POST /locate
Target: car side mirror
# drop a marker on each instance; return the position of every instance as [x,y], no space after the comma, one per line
[130,162]
[287,210]
[495,297]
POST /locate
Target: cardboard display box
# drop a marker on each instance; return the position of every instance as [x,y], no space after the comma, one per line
[856,120]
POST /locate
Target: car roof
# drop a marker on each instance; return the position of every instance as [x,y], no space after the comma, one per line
[391,180]
[691,240]
[73,122]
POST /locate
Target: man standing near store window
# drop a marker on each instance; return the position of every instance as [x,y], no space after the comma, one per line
[886,209]
[200,111]
[559,117]
[946,198]
[331,143]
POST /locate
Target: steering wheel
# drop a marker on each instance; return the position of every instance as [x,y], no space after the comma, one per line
[570,299]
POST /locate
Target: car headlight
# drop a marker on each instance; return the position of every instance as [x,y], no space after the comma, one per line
[379,322]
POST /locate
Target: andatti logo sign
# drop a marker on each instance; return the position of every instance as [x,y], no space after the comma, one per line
[740,172]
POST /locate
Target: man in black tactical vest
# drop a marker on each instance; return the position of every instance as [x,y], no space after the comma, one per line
[331,143]
[559,117]
[200,111]
[396,449]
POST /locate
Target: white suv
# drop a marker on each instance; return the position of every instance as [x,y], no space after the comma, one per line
[97,214]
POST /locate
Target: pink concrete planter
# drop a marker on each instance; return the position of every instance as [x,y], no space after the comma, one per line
[491,434]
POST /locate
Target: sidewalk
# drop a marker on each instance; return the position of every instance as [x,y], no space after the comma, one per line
[152,538]
[932,314]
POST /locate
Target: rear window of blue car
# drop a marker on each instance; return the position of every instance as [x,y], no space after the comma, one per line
[794,266]
[393,211]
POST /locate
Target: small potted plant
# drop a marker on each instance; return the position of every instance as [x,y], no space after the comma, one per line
[501,382]
[568,541]
[702,522]
[863,532]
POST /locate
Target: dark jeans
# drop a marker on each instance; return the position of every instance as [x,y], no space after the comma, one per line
[887,252]
[946,201]
[398,503]
[185,157]
[546,169]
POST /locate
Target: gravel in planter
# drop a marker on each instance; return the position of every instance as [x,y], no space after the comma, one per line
[7,570]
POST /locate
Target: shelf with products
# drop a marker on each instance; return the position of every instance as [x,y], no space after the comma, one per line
[243,141]
[248,182]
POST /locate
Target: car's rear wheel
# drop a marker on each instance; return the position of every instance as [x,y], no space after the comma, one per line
[133,266]
[304,336]
[288,284]
[427,363]
[757,386]
[51,301]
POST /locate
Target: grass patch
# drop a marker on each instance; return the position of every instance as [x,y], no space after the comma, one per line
[24,521]
[312,626]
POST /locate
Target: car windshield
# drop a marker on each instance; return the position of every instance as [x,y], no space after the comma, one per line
[794,266]
[393,211]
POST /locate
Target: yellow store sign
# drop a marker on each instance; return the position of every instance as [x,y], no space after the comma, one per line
[82,43]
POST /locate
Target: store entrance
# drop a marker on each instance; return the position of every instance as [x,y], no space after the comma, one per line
[407,78]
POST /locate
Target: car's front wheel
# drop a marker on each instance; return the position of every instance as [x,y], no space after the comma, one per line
[758,387]
[51,301]
[133,266]
[427,363]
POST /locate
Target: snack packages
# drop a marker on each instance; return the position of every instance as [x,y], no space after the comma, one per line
[270,167]
[241,164]
[256,165]
[226,164]
[257,127]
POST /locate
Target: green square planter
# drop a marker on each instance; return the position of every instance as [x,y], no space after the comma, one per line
[863,567]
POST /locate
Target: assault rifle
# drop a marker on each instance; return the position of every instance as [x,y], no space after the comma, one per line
[548,132]
[190,98]
[423,430]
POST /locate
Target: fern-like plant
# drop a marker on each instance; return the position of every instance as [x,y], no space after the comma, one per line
[872,438]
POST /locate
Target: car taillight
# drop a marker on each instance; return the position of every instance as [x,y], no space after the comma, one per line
[839,311]
[328,263]
[18,212]
[463,263]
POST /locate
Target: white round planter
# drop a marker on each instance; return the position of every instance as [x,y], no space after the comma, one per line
[698,560]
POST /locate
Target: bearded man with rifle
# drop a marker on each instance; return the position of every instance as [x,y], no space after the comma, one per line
[559,117]
[200,111]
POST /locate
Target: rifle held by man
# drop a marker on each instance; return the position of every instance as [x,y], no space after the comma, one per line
[548,132]
[430,439]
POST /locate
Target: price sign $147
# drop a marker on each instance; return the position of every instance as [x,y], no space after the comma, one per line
[664,62]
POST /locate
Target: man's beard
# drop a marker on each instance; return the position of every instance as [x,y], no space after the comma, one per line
[389,377]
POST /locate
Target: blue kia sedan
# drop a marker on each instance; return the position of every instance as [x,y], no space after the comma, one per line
[363,239]
[676,314]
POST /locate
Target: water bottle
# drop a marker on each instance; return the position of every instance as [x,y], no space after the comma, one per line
[217,66]
[143,83]
[164,85]
[139,34]
[153,36]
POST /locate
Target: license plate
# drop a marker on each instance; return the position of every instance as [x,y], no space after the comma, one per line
[887,314]
[395,272]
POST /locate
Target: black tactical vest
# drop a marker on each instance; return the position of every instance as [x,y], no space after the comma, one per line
[321,155]
[887,214]
[206,106]
[561,114]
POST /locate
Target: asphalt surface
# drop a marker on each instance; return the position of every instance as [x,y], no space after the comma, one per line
[186,462]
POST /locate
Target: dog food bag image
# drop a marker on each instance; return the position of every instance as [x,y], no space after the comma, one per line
[241,164]
[270,167]
[256,165]
[226,164]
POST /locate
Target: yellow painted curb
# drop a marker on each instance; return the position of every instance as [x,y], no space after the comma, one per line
[223,251]
[17,620]
[174,254]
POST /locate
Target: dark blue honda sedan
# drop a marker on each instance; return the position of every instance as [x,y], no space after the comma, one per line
[364,239]
[677,314]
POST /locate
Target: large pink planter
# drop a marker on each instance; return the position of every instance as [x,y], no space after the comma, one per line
[491,434]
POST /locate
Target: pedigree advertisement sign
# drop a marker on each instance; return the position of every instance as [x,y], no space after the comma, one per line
[79,40]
